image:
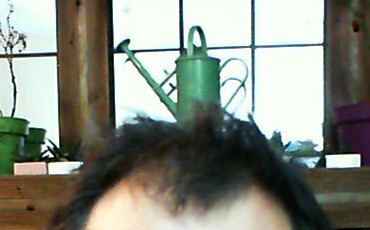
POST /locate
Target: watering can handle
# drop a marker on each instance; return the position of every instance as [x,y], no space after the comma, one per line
[191,37]
[241,81]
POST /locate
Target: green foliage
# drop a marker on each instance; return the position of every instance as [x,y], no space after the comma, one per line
[297,152]
[276,143]
[56,154]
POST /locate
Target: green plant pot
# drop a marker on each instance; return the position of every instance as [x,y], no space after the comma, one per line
[33,143]
[12,136]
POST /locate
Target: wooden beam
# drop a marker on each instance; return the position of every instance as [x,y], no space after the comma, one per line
[347,69]
[84,63]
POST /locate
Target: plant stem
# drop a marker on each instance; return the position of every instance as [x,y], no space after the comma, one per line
[14,83]
[9,41]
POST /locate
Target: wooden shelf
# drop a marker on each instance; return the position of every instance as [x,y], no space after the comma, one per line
[26,202]
[344,194]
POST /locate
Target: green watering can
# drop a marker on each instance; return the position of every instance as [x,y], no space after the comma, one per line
[198,78]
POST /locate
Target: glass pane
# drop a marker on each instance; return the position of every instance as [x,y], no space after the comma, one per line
[37,21]
[37,92]
[148,23]
[290,92]
[241,105]
[133,94]
[289,21]
[224,22]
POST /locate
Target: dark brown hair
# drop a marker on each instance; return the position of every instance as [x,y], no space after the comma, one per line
[207,160]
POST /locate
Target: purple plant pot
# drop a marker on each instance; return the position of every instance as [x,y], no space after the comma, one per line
[353,129]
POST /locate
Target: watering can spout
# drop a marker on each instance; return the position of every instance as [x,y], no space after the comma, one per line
[171,106]
[121,45]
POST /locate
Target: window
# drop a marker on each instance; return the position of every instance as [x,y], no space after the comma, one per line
[35,68]
[281,42]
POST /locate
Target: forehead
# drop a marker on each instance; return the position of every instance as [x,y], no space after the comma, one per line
[125,207]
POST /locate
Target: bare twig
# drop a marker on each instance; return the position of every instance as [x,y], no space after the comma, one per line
[9,40]
[14,83]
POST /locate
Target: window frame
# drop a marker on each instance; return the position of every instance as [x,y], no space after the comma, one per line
[253,46]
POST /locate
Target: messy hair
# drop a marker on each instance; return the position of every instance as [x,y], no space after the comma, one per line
[206,160]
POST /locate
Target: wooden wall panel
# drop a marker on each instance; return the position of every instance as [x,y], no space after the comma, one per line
[32,187]
[344,194]
[338,180]
[27,202]
[23,220]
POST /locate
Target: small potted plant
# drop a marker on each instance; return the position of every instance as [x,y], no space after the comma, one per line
[301,153]
[59,162]
[29,162]
[13,131]
[53,161]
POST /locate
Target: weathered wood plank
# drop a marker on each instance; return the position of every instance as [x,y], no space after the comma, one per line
[84,62]
[43,204]
[338,180]
[23,220]
[32,187]
[26,202]
[344,194]
[349,215]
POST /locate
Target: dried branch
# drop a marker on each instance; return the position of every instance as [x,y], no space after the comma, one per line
[10,40]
